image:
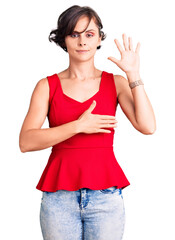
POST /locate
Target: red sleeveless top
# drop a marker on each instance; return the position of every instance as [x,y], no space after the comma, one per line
[83,160]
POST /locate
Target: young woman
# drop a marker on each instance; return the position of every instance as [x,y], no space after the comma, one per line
[82,182]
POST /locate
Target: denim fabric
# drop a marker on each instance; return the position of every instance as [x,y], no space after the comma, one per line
[84,214]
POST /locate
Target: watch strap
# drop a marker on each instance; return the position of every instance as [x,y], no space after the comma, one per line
[136,83]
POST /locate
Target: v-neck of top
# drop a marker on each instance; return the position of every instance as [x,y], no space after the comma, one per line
[74,100]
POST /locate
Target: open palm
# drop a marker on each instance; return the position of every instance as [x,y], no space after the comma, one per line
[129,61]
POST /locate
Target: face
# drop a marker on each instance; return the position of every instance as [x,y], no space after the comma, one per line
[82,46]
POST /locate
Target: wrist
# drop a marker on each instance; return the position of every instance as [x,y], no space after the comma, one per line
[133,76]
[77,126]
[136,83]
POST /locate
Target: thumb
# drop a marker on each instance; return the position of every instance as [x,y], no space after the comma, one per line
[92,106]
[114,60]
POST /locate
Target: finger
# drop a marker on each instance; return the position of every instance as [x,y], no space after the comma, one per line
[108,125]
[137,47]
[114,60]
[125,42]
[110,121]
[104,131]
[118,46]
[105,116]
[130,44]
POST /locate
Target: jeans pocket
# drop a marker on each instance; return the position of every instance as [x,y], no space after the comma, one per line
[111,190]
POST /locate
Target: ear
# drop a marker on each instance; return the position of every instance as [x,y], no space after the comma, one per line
[99,41]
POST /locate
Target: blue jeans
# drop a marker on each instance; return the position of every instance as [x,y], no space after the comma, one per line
[84,214]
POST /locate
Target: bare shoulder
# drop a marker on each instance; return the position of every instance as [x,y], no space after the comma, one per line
[42,83]
[38,106]
[40,95]
[42,87]
[121,83]
[40,91]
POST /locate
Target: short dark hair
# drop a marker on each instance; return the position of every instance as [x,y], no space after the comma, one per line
[67,22]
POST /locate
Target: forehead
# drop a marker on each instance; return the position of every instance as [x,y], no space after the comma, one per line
[83,23]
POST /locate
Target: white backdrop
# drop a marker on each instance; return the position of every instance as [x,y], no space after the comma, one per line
[147,160]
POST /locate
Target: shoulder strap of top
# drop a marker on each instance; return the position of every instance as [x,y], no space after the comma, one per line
[109,83]
[53,82]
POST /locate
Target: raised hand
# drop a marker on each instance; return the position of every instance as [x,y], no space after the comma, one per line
[129,61]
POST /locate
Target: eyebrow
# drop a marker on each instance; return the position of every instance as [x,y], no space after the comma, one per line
[90,30]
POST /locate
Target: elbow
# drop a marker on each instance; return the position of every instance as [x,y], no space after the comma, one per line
[22,148]
[22,145]
[148,130]
[25,145]
[153,130]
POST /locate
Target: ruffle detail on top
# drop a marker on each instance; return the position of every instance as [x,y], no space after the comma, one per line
[74,168]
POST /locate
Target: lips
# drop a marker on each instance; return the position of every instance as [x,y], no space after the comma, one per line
[82,51]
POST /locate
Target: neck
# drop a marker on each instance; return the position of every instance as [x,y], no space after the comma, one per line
[81,70]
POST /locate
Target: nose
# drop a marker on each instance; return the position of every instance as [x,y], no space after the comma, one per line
[82,41]
[82,44]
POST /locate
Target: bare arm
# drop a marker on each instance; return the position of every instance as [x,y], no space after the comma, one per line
[135,104]
[32,137]
[38,139]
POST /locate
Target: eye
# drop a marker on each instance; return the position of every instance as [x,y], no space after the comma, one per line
[90,35]
[73,35]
